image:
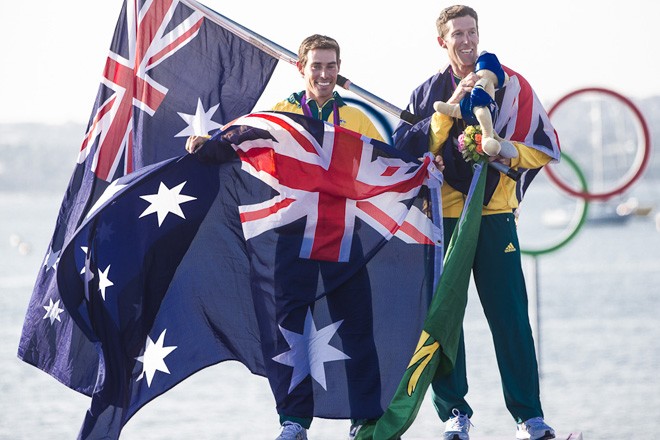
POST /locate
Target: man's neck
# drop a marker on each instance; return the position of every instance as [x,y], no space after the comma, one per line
[461,72]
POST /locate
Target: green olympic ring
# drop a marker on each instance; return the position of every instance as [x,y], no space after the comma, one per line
[576,223]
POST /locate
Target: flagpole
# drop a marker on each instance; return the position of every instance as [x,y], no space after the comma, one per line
[283,54]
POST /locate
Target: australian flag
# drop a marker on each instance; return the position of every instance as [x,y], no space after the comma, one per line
[301,249]
[170,72]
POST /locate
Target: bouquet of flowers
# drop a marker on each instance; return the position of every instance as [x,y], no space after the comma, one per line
[469,143]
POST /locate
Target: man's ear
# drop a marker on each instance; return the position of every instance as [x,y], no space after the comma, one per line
[301,68]
[442,43]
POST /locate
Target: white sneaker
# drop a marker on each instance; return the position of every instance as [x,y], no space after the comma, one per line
[457,427]
[292,431]
[534,429]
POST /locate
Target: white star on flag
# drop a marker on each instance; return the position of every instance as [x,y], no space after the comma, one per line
[154,358]
[104,281]
[166,201]
[309,351]
[53,311]
[51,259]
[200,123]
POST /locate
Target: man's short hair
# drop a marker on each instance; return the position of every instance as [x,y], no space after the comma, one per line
[316,41]
[454,12]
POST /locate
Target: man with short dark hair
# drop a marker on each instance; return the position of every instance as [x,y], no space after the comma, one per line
[319,63]
[497,267]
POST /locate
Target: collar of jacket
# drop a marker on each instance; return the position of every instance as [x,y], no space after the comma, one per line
[295,98]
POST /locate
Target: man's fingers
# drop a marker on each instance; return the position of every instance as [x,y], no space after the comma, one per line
[194,142]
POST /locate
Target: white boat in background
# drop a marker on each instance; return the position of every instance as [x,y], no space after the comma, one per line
[608,214]
[599,213]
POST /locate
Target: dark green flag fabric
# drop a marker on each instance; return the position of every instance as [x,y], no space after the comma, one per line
[438,344]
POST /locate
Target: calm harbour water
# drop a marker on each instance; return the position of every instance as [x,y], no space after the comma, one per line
[600,348]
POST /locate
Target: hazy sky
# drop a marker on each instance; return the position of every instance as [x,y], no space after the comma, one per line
[53,53]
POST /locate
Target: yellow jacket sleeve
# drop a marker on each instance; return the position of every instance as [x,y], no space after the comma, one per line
[440,126]
[528,157]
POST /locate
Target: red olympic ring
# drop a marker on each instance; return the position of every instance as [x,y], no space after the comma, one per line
[639,164]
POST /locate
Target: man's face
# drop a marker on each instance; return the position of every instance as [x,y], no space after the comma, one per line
[461,41]
[320,74]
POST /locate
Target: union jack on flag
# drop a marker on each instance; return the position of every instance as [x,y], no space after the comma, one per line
[330,184]
[150,36]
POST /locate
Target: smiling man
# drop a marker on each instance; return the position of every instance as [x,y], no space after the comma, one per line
[318,63]
[497,267]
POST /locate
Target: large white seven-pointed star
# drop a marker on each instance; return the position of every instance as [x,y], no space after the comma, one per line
[166,201]
[200,123]
[104,281]
[53,311]
[154,358]
[309,351]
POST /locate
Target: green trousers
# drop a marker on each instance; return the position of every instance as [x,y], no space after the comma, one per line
[498,277]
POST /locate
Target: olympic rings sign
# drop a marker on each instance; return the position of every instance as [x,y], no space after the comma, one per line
[641,158]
